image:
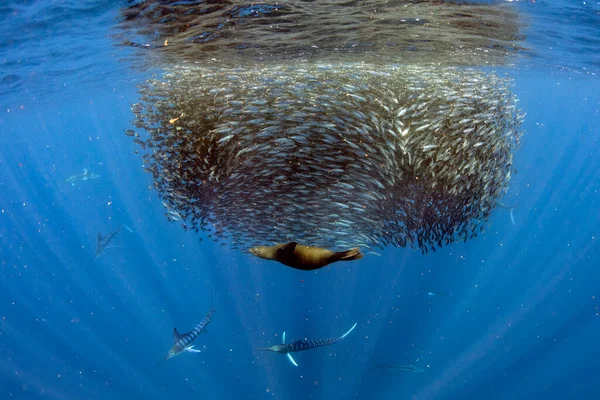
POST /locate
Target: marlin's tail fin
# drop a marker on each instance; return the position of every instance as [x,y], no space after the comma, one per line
[349,255]
[349,330]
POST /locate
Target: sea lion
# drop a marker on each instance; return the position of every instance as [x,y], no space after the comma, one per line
[302,257]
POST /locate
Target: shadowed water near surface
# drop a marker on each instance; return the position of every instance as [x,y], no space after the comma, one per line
[400,31]
[521,318]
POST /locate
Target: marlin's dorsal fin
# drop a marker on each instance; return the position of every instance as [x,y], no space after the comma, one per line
[176,335]
[99,237]
[288,248]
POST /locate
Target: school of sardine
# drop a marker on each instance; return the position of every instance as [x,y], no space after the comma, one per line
[329,155]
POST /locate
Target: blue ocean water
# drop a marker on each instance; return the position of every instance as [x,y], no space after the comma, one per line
[521,319]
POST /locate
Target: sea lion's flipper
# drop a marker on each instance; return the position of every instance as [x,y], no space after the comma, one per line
[349,255]
[287,249]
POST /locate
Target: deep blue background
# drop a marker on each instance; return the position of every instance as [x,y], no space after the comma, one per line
[522,321]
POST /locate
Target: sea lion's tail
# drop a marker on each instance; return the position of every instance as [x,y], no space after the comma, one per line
[349,255]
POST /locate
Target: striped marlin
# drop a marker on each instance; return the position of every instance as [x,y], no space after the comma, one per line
[85,176]
[407,367]
[509,208]
[304,344]
[103,241]
[184,342]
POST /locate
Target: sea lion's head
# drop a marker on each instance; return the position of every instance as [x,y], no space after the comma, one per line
[262,252]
